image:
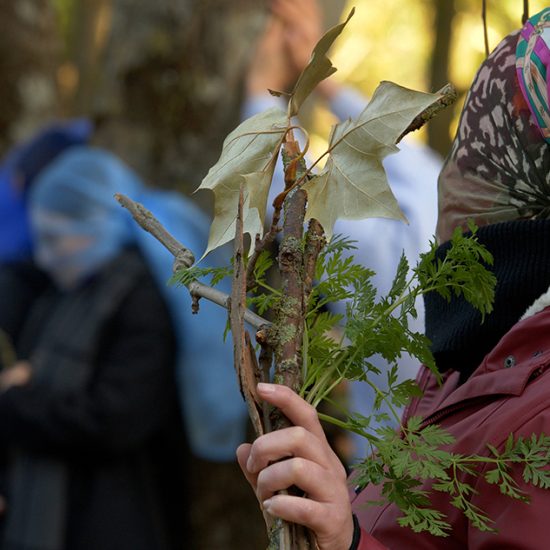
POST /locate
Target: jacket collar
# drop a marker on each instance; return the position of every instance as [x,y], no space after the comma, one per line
[522,354]
[538,305]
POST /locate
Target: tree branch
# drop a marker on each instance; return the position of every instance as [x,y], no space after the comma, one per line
[315,241]
[448,96]
[183,257]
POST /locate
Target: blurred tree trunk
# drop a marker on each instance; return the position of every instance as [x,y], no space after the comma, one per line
[169,85]
[91,23]
[29,53]
[438,129]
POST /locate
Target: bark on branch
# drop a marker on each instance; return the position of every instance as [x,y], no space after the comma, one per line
[448,95]
[289,325]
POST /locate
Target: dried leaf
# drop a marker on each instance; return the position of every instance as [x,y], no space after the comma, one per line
[353,184]
[248,156]
[318,68]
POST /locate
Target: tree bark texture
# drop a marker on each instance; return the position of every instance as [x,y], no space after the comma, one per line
[438,129]
[169,87]
[30,49]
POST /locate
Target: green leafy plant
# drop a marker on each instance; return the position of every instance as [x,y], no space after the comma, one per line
[306,346]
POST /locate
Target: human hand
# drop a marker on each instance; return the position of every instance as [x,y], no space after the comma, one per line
[303,28]
[301,456]
[270,67]
[17,375]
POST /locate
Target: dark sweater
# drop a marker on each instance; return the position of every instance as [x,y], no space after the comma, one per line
[119,432]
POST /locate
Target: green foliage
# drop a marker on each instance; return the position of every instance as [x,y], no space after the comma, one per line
[186,276]
[404,459]
[334,350]
[461,272]
[380,326]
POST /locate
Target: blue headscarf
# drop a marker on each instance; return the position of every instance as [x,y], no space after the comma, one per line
[78,187]
[18,170]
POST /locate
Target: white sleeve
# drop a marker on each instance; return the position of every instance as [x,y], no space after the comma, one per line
[347,103]
[253,105]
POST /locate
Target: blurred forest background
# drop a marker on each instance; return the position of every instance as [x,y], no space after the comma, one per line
[164,78]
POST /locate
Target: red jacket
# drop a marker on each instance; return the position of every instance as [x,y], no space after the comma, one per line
[508,393]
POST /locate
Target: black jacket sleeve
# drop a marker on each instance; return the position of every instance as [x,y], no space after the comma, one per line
[20,285]
[130,394]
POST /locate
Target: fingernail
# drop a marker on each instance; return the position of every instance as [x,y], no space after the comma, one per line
[266,388]
[266,505]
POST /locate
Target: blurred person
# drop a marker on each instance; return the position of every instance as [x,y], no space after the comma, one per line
[20,281]
[112,362]
[495,375]
[283,51]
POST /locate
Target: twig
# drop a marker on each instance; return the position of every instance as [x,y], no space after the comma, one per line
[149,223]
[290,327]
[290,312]
[485,32]
[290,179]
[448,97]
[265,360]
[244,356]
[525,15]
[183,257]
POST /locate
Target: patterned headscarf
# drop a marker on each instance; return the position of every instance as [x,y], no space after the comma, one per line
[532,60]
[499,166]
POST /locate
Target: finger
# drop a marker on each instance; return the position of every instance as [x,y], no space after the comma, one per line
[332,525]
[310,477]
[273,34]
[301,510]
[289,442]
[298,411]
[243,453]
[295,12]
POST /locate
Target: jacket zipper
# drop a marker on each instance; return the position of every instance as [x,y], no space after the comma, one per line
[435,417]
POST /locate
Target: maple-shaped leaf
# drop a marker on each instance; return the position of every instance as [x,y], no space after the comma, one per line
[318,68]
[248,155]
[353,183]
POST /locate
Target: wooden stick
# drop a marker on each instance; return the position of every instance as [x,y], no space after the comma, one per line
[183,257]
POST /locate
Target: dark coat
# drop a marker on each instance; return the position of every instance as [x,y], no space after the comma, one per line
[116,430]
[21,283]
